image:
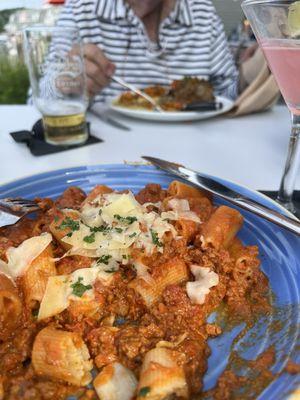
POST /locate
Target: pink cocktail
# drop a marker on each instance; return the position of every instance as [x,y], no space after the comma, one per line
[283,57]
[276,25]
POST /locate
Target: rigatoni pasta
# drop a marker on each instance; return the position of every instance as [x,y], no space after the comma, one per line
[171,273]
[115,382]
[109,295]
[222,227]
[62,355]
[183,191]
[10,307]
[162,376]
[35,279]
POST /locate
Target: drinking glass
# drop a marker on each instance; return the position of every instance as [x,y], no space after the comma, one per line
[276,25]
[54,58]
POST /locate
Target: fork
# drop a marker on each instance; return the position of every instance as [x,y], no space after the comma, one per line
[134,89]
[13,209]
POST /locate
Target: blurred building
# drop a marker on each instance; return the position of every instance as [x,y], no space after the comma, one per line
[11,39]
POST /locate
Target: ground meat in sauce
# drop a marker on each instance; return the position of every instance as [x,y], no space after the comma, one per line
[152,193]
[71,198]
[123,329]
[292,368]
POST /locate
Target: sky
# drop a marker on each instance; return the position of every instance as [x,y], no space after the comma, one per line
[7,4]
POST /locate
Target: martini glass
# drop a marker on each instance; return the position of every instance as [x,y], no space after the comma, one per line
[276,25]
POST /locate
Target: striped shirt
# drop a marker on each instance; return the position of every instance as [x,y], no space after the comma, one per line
[192,42]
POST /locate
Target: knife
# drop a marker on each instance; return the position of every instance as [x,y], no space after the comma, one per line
[211,185]
[110,121]
[204,106]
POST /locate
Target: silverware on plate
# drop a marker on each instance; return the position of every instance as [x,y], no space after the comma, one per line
[204,106]
[134,89]
[211,185]
[11,210]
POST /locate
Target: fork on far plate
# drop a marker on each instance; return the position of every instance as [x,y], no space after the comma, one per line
[12,210]
[134,89]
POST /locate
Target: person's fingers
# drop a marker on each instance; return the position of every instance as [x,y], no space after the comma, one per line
[91,87]
[94,54]
[94,72]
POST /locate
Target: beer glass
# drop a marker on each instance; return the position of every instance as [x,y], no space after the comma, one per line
[54,58]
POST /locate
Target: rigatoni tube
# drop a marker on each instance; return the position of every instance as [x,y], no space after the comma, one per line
[219,231]
[10,306]
[162,376]
[62,355]
[34,280]
[115,382]
[171,272]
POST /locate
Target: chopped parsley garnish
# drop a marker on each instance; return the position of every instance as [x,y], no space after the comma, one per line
[119,230]
[100,211]
[69,223]
[110,271]
[56,218]
[144,391]
[70,234]
[104,260]
[79,288]
[102,228]
[132,235]
[155,239]
[125,220]
[124,256]
[90,238]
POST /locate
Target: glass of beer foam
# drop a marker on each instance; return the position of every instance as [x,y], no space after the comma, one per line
[54,56]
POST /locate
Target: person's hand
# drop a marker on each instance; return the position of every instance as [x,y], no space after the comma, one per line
[99,69]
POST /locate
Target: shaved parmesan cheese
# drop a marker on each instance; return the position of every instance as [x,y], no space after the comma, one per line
[55,298]
[120,204]
[60,290]
[190,215]
[205,279]
[20,258]
[113,224]
[5,270]
[179,205]
[90,215]
[142,272]
[87,277]
[180,210]
[105,277]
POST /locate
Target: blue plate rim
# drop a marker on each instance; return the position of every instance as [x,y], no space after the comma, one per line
[49,172]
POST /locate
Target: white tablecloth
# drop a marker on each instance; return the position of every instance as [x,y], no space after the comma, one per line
[249,150]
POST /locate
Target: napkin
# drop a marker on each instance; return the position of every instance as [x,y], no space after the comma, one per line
[35,140]
[261,91]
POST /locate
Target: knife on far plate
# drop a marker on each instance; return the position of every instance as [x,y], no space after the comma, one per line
[213,186]
[110,121]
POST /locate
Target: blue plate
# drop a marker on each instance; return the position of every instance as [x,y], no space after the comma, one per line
[279,253]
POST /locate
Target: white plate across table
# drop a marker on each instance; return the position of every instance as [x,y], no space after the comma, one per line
[173,116]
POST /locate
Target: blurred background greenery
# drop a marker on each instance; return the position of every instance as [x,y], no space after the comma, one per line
[14,81]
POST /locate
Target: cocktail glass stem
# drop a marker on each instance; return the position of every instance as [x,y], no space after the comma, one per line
[291,169]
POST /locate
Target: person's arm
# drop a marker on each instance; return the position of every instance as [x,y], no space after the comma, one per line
[99,69]
[224,75]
